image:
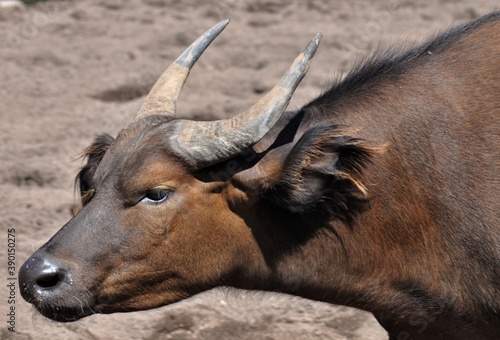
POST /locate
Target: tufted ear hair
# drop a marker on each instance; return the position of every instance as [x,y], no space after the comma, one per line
[84,180]
[322,174]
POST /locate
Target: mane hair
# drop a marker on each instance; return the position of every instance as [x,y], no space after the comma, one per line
[391,62]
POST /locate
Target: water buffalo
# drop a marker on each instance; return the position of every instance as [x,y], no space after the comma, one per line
[382,194]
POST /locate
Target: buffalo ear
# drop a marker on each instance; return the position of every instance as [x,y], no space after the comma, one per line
[84,180]
[322,174]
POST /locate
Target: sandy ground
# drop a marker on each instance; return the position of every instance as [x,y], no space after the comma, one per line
[72,69]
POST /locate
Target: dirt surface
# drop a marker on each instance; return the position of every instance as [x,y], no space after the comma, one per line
[70,70]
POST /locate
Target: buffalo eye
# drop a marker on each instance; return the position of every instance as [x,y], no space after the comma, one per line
[156,196]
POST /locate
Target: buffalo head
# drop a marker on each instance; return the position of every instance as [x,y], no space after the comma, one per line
[154,226]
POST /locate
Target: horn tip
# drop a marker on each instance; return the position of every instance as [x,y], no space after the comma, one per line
[311,48]
[317,37]
[221,25]
[316,40]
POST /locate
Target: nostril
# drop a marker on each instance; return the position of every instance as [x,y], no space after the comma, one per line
[42,277]
[49,280]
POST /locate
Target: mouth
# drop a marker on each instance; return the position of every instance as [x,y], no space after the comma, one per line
[61,313]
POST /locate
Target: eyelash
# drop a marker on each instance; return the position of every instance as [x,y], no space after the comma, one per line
[156,196]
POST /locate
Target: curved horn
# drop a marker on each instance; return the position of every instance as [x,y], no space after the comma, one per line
[202,144]
[162,99]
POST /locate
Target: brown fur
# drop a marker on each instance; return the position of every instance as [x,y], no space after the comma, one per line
[408,231]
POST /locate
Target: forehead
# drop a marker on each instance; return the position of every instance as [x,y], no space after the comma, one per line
[141,147]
